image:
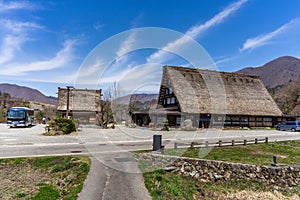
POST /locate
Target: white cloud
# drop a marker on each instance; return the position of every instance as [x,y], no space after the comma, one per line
[134,23]
[17,27]
[16,5]
[137,79]
[61,59]
[225,59]
[9,45]
[161,55]
[261,40]
[98,26]
[127,45]
[58,78]
[98,68]
[217,19]
[13,35]
[91,70]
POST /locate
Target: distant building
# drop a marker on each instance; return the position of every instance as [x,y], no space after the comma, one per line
[49,110]
[83,104]
[213,99]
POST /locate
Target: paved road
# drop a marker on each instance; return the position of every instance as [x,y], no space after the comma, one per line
[115,181]
[114,172]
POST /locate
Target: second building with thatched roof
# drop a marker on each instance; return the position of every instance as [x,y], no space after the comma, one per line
[213,99]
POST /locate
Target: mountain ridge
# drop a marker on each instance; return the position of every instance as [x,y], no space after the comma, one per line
[281,77]
[127,99]
[27,93]
[279,71]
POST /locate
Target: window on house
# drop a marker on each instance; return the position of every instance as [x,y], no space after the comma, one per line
[259,119]
[170,91]
[168,100]
[178,120]
[167,91]
[172,100]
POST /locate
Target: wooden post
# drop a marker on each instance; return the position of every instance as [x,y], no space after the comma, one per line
[175,145]
[220,143]
[266,140]
[255,141]
[232,142]
[192,144]
[245,142]
[206,143]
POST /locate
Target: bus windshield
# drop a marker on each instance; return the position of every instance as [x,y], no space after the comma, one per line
[16,114]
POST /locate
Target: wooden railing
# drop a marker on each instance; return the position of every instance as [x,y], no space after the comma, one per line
[221,143]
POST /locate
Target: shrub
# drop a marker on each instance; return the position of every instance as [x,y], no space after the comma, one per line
[63,124]
[39,116]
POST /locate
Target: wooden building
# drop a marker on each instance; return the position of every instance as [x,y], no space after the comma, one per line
[213,99]
[82,104]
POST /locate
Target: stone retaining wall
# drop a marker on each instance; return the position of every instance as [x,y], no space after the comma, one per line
[210,171]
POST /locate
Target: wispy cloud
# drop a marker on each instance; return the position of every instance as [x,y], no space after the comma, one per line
[17,32]
[17,27]
[127,45]
[225,59]
[16,5]
[217,19]
[9,45]
[13,35]
[161,55]
[62,58]
[261,40]
[98,26]
[134,23]
[130,78]
[130,41]
[90,70]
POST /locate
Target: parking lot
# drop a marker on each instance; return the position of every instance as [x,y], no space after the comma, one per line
[121,134]
[30,135]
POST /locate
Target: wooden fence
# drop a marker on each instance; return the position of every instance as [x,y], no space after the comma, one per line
[221,143]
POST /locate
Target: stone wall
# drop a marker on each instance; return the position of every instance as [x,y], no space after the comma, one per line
[211,171]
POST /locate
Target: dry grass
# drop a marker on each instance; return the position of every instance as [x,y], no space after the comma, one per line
[42,178]
[22,179]
[251,195]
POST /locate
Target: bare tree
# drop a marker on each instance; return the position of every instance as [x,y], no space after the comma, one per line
[106,114]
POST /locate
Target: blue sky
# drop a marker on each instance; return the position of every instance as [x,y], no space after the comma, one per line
[47,44]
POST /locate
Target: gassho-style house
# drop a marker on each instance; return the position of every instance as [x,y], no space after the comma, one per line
[82,104]
[212,99]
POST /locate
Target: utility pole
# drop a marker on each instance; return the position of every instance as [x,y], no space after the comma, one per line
[68,100]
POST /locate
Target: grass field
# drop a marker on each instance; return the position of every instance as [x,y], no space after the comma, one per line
[287,153]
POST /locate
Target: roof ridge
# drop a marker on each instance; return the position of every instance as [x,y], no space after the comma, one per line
[211,71]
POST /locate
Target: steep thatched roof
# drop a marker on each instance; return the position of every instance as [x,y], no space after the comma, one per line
[79,99]
[206,91]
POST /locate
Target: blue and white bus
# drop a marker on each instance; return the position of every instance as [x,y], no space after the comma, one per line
[20,116]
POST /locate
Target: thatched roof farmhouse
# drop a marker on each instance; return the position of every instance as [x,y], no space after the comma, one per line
[79,103]
[211,98]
